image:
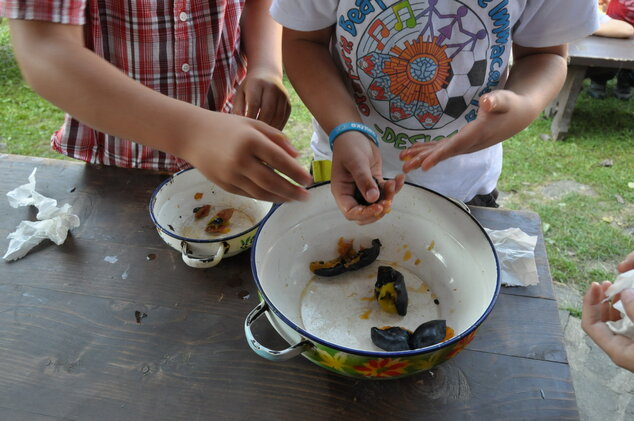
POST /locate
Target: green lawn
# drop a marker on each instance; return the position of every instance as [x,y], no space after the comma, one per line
[26,120]
[586,235]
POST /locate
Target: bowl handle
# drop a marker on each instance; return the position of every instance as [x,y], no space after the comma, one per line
[202,262]
[262,351]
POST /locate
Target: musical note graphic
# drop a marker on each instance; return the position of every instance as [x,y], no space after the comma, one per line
[385,32]
[410,21]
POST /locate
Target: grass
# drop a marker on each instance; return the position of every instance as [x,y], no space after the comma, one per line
[586,234]
[26,120]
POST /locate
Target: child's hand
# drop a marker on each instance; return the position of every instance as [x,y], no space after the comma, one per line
[499,117]
[357,161]
[627,264]
[594,315]
[241,155]
[262,96]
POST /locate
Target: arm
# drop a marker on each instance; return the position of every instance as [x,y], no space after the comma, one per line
[614,28]
[535,78]
[55,63]
[595,313]
[262,94]
[356,160]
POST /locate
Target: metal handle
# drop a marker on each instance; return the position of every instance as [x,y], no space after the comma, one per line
[202,262]
[264,352]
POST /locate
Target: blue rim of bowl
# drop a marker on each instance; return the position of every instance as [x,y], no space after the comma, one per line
[380,354]
[194,240]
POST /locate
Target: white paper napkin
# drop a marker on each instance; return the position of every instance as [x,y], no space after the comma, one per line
[53,222]
[625,326]
[516,252]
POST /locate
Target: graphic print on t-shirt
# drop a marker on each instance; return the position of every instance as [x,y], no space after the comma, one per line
[422,65]
[421,73]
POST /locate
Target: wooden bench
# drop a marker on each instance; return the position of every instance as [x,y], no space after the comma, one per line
[592,51]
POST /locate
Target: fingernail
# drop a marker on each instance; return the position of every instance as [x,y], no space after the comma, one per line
[627,295]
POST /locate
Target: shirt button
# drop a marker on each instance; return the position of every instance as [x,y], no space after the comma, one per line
[183,16]
[185,67]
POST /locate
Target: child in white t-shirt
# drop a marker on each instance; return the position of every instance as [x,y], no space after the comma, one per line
[428,83]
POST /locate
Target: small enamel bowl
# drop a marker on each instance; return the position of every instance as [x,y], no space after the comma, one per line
[172,210]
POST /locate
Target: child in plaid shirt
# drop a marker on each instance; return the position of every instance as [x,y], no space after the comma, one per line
[164,85]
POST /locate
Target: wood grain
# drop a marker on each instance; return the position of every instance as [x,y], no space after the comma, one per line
[83,338]
[86,357]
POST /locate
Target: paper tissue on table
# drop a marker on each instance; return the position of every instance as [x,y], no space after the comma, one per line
[516,253]
[625,326]
[53,222]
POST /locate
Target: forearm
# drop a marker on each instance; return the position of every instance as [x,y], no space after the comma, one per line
[615,28]
[536,78]
[311,69]
[261,37]
[56,65]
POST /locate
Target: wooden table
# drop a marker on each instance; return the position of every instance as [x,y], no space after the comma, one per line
[592,51]
[74,344]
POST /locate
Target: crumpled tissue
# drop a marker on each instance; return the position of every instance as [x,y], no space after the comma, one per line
[516,253]
[625,326]
[53,222]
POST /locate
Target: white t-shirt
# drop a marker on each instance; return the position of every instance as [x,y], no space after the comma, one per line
[417,69]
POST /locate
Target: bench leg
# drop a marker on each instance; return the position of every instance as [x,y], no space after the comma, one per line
[565,102]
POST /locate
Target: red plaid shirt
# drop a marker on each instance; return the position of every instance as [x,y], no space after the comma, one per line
[186,49]
[621,10]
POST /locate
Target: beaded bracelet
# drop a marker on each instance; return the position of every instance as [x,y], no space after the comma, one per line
[352,126]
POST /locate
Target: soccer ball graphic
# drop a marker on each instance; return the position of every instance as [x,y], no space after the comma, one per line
[426,73]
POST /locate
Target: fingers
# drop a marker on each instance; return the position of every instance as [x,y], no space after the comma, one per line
[414,156]
[364,215]
[627,264]
[592,319]
[275,158]
[282,141]
[269,194]
[268,111]
[591,311]
[267,102]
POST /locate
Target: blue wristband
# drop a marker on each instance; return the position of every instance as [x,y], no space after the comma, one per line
[352,126]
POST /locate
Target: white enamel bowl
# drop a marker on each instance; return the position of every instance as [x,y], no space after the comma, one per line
[171,210]
[448,261]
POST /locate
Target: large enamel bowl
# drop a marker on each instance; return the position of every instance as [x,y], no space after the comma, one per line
[171,210]
[448,261]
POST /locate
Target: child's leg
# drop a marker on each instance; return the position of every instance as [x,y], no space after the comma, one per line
[598,81]
[624,82]
[486,200]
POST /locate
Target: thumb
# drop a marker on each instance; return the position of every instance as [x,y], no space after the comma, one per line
[366,184]
[496,102]
[368,187]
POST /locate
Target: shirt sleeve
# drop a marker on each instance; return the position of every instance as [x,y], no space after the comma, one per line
[70,12]
[304,15]
[553,22]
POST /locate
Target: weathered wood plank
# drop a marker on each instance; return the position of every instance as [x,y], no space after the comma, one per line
[602,52]
[75,356]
